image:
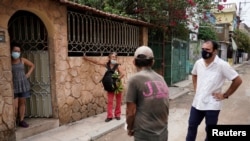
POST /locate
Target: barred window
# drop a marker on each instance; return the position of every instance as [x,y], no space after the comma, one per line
[96,36]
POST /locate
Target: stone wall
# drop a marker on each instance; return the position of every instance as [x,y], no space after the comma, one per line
[81,93]
[76,90]
[7,127]
[54,16]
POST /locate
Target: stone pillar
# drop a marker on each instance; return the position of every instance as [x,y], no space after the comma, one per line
[144,36]
[7,118]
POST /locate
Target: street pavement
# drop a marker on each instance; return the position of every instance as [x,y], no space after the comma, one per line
[235,111]
[94,127]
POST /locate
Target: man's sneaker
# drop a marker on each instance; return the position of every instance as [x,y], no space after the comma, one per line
[108,119]
[23,124]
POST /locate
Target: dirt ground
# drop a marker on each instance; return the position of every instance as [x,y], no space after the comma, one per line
[235,111]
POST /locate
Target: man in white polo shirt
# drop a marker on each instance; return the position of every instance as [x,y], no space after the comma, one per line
[209,74]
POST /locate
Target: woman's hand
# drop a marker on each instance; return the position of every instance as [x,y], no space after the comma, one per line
[27,75]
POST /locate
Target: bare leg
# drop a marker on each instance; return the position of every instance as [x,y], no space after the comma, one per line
[22,104]
[16,108]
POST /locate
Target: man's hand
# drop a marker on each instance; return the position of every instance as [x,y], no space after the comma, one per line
[236,82]
[218,96]
[130,117]
[130,132]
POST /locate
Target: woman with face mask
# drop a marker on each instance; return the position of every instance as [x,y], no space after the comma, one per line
[112,62]
[20,83]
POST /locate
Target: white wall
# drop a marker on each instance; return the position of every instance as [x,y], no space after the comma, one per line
[224,51]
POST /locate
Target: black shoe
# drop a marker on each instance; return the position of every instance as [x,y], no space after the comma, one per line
[117,118]
[23,124]
[108,119]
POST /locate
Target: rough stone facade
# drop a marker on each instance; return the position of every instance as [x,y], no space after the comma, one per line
[75,88]
[80,93]
[7,117]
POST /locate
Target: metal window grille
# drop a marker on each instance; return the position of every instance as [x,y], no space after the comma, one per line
[97,36]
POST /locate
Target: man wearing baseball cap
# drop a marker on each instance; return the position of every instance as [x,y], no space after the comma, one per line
[147,100]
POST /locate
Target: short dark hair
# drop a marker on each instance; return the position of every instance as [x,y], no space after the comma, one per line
[214,43]
[111,53]
[142,61]
[14,44]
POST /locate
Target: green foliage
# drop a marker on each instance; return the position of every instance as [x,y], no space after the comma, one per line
[242,40]
[91,3]
[168,14]
[207,32]
[181,31]
[159,12]
[119,85]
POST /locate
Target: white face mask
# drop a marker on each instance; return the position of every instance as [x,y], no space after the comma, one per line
[15,55]
[113,62]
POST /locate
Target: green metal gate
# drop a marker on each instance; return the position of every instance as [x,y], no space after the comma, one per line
[179,53]
[156,43]
[176,61]
[171,58]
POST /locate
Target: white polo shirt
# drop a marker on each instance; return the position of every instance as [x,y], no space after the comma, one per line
[210,80]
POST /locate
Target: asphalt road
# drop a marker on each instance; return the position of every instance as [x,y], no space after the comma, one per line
[235,111]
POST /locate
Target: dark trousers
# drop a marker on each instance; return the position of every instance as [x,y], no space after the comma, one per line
[195,118]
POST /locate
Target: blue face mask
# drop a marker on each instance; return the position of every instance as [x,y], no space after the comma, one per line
[113,62]
[15,55]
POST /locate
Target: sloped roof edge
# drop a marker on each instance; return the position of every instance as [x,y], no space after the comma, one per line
[102,13]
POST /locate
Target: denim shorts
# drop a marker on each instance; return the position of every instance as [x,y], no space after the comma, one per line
[22,95]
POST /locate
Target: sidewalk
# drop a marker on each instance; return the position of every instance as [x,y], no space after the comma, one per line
[93,127]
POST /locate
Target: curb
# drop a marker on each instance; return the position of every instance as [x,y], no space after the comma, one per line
[185,91]
[105,129]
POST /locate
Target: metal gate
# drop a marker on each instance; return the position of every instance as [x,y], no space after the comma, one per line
[156,43]
[176,61]
[171,58]
[179,60]
[29,31]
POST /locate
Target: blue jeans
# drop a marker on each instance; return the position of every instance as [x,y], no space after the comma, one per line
[195,118]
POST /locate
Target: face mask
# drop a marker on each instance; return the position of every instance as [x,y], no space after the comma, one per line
[15,55]
[113,62]
[206,55]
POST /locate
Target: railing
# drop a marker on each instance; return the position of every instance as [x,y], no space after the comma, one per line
[97,36]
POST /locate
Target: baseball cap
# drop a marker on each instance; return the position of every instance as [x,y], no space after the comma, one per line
[143,52]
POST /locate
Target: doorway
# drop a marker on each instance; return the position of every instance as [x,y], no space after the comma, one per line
[28,30]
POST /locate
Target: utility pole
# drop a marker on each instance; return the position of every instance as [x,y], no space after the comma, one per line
[240,9]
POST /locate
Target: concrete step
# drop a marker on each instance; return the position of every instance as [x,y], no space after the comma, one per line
[36,126]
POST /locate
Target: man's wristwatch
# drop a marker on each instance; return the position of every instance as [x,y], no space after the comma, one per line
[225,96]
